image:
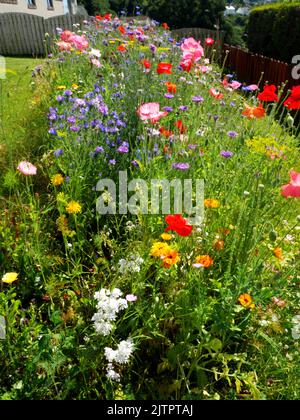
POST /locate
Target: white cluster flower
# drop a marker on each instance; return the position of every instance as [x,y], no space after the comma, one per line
[109,304]
[296,327]
[120,356]
[133,265]
[112,374]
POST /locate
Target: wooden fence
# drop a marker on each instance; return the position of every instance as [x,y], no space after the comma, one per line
[251,68]
[24,34]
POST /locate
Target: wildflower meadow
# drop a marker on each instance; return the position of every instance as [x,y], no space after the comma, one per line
[149,234]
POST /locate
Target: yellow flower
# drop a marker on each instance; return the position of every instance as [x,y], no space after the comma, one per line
[73,207]
[212,203]
[246,301]
[9,277]
[166,236]
[159,249]
[57,180]
[74,86]
[62,87]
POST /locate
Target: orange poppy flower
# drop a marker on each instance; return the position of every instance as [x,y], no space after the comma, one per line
[165,26]
[254,112]
[172,88]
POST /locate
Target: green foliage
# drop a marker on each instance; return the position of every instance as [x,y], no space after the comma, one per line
[177,13]
[94,7]
[274,30]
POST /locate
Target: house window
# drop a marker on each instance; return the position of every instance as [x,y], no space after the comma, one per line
[50,4]
[31,4]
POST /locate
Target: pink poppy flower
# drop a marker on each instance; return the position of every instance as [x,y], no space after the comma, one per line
[27,168]
[66,35]
[293,188]
[151,111]
[96,62]
[216,94]
[64,46]
[79,42]
[192,50]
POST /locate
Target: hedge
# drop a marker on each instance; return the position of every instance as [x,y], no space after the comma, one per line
[274,30]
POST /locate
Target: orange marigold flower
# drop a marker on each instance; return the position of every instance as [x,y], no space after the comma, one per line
[278,253]
[171,258]
[254,112]
[246,300]
[211,203]
[205,260]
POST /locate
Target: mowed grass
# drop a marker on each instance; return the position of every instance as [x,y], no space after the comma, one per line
[18,127]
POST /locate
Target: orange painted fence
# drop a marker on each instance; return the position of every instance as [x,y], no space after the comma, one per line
[249,67]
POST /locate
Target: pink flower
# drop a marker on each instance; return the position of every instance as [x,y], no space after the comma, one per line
[96,62]
[27,168]
[150,111]
[192,50]
[66,35]
[79,42]
[131,298]
[293,188]
[64,46]
[216,94]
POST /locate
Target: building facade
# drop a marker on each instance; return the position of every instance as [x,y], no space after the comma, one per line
[45,8]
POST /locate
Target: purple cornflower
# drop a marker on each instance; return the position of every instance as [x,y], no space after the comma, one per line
[168,109]
[232,134]
[169,95]
[123,148]
[68,92]
[192,146]
[197,99]
[181,166]
[60,98]
[183,108]
[52,131]
[112,162]
[232,104]
[58,152]
[99,149]
[135,163]
[226,154]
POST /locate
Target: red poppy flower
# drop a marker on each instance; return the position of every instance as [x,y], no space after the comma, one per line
[293,101]
[107,16]
[146,64]
[268,94]
[165,26]
[121,48]
[209,41]
[181,127]
[164,68]
[172,88]
[178,224]
[99,17]
[216,94]
[165,133]
[186,64]
[122,30]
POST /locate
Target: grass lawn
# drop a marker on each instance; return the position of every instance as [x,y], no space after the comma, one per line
[16,96]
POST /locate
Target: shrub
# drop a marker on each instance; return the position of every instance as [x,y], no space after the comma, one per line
[274,30]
